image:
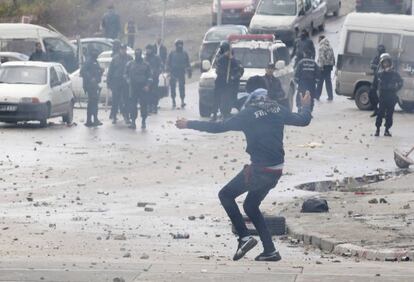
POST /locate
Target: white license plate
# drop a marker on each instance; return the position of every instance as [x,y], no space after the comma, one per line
[7,108]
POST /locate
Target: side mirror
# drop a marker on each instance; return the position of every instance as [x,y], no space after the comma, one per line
[205,65]
[280,65]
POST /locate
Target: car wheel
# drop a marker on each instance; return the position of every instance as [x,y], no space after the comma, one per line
[362,98]
[68,118]
[406,106]
[205,111]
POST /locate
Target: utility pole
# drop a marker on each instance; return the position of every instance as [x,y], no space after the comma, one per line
[219,12]
[164,12]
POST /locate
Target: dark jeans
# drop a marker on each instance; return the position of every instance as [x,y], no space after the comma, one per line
[258,184]
[119,100]
[181,86]
[386,109]
[373,99]
[138,95]
[325,78]
[93,101]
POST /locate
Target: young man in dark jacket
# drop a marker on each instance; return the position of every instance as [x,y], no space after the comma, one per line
[307,75]
[302,45]
[389,83]
[138,75]
[155,64]
[274,86]
[262,120]
[178,64]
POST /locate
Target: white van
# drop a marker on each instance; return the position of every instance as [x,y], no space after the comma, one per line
[361,35]
[22,38]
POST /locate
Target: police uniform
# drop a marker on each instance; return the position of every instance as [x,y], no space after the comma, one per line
[307,74]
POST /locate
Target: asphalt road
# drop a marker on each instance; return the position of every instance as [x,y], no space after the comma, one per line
[70,194]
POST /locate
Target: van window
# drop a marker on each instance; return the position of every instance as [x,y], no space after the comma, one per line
[57,45]
[355,43]
[391,42]
[408,51]
[371,42]
[24,46]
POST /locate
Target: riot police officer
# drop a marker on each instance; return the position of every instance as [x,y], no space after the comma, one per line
[229,71]
[138,75]
[91,73]
[155,63]
[389,83]
[307,75]
[118,85]
[373,93]
[178,63]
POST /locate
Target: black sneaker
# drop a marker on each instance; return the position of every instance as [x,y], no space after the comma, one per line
[377,133]
[387,133]
[89,124]
[275,256]
[244,247]
[97,123]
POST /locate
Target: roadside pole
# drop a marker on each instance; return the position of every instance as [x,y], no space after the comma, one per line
[219,12]
[164,12]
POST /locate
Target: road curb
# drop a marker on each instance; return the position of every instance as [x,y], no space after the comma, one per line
[346,249]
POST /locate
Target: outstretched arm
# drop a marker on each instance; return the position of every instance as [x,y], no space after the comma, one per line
[304,116]
[233,124]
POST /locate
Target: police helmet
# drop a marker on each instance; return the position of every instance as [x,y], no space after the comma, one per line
[385,57]
[224,47]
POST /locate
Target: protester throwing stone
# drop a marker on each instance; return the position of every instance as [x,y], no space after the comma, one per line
[262,120]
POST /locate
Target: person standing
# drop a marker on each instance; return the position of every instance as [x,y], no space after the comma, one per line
[229,71]
[111,23]
[155,65]
[274,86]
[373,93]
[161,51]
[262,120]
[178,63]
[131,33]
[118,85]
[326,62]
[38,54]
[304,44]
[307,74]
[389,83]
[91,74]
[138,75]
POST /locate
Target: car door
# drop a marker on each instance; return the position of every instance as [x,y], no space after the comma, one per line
[61,52]
[66,85]
[56,94]
[318,12]
[305,14]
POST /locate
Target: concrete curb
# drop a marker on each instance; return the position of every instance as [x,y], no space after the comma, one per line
[332,245]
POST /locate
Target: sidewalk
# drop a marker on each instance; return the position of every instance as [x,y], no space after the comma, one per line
[185,271]
[374,222]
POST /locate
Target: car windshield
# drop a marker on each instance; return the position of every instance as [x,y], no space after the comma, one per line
[252,58]
[23,75]
[219,35]
[277,7]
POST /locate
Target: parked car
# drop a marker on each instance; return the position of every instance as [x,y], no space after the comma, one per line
[282,17]
[12,57]
[214,36]
[22,38]
[35,91]
[384,6]
[254,52]
[96,43]
[361,35]
[333,7]
[234,11]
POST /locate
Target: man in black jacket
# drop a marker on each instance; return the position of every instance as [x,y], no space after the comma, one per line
[111,23]
[138,75]
[307,75]
[118,85]
[302,46]
[161,51]
[91,74]
[155,63]
[262,121]
[375,65]
[389,83]
[229,71]
[274,86]
[178,64]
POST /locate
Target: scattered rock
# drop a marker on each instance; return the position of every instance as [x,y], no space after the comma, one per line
[118,279]
[127,255]
[144,256]
[191,218]
[148,209]
[407,207]
[180,236]
[142,204]
[383,201]
[121,237]
[373,201]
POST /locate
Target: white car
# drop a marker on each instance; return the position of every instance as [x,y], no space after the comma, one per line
[35,91]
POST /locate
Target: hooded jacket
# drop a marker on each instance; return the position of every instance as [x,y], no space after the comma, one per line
[262,121]
[326,54]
